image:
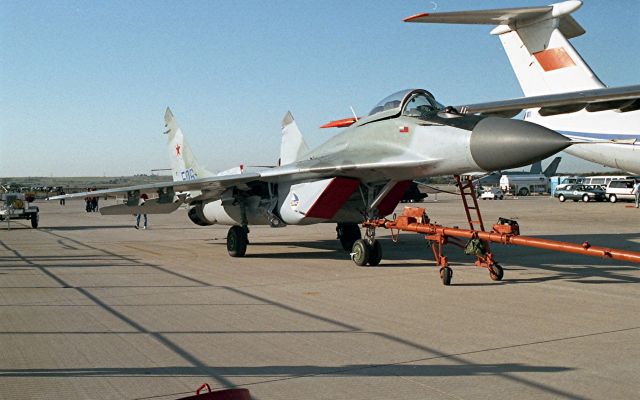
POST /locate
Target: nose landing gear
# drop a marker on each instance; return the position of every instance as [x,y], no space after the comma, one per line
[367,251]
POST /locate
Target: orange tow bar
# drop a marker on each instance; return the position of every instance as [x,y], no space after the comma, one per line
[506,231]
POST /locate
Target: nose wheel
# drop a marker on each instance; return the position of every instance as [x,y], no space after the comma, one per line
[366,253]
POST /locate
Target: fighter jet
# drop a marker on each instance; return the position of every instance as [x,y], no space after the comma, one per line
[358,175]
[563,93]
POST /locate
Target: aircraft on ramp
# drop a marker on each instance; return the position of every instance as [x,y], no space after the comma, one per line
[493,179]
[563,93]
[358,175]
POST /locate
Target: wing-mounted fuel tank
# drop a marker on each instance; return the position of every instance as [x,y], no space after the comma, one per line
[197,215]
[315,201]
[219,212]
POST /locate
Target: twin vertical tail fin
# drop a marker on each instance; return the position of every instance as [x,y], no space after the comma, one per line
[183,163]
[552,168]
[536,40]
[293,146]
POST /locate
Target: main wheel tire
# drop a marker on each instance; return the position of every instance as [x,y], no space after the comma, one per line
[496,272]
[585,198]
[446,274]
[34,220]
[348,234]
[523,192]
[360,253]
[375,256]
[562,198]
[237,241]
[613,198]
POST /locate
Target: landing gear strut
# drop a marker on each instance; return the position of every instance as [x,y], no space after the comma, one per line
[238,236]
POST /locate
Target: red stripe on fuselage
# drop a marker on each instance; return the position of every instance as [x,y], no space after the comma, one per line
[333,198]
[391,200]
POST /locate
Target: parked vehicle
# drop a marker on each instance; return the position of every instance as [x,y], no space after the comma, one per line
[16,206]
[560,182]
[603,180]
[620,190]
[524,185]
[413,194]
[585,193]
[492,194]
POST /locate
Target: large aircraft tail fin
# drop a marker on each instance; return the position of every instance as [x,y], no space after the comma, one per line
[552,168]
[183,163]
[293,146]
[536,40]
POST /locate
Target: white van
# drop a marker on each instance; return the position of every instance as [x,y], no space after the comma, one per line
[603,180]
[620,190]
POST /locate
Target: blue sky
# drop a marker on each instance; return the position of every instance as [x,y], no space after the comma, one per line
[84,84]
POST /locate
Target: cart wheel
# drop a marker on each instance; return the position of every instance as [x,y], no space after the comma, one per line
[360,253]
[34,220]
[375,256]
[496,272]
[446,274]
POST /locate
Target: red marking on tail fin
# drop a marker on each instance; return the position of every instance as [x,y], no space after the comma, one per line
[552,59]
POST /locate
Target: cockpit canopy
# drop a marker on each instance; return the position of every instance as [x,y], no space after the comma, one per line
[411,102]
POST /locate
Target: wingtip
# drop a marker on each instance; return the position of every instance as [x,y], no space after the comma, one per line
[416,16]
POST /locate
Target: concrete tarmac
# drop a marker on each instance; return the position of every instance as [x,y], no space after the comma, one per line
[91,308]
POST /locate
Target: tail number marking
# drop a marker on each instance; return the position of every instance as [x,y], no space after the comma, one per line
[188,175]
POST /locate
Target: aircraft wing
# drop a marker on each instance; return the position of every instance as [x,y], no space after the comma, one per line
[487,17]
[214,186]
[622,98]
[211,188]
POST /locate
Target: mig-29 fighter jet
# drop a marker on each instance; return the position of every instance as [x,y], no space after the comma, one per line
[358,175]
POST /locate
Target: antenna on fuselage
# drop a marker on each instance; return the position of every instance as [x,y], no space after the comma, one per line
[354,113]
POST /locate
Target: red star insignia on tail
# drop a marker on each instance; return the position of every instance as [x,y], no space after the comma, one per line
[177,150]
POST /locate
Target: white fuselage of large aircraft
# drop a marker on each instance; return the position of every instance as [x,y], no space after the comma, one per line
[536,41]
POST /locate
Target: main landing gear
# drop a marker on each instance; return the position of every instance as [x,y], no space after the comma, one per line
[237,240]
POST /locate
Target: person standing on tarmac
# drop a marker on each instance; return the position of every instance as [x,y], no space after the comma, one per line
[61,193]
[143,199]
[636,192]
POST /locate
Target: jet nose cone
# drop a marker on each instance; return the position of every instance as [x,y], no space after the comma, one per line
[501,143]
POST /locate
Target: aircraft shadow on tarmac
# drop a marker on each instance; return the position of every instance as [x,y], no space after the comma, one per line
[292,370]
[86,227]
[562,266]
[394,255]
